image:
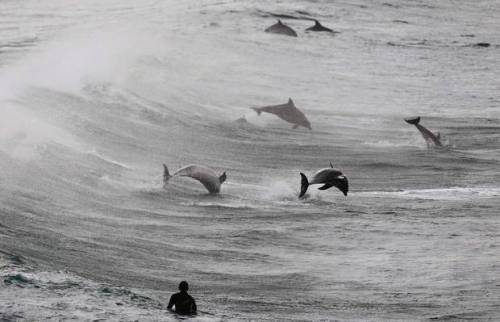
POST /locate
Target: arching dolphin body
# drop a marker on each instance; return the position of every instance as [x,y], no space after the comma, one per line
[205,175]
[428,135]
[288,112]
[319,27]
[281,28]
[329,177]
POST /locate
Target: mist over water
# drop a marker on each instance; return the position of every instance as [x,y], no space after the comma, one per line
[95,96]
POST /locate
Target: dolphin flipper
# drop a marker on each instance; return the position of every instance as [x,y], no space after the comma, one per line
[326,186]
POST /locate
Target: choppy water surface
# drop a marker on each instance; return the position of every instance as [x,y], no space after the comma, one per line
[95,96]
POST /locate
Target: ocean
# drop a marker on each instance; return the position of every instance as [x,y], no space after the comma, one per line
[96,95]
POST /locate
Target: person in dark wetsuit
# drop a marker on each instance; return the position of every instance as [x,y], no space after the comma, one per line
[183,302]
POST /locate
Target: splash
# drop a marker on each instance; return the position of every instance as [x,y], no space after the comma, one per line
[278,189]
[22,134]
[66,65]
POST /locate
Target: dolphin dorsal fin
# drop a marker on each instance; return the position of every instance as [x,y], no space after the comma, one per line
[331,165]
[290,102]
[279,22]
[316,22]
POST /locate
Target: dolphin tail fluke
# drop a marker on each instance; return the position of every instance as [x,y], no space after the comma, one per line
[166,174]
[222,178]
[413,120]
[258,110]
[304,184]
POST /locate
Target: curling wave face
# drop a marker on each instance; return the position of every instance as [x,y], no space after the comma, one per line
[89,116]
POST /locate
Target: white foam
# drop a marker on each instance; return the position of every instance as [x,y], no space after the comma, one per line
[108,159]
[453,193]
[420,143]
[278,189]
[22,134]
[229,205]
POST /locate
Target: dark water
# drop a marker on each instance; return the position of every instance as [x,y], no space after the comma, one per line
[96,96]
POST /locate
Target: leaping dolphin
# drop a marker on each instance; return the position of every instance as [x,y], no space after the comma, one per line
[428,135]
[288,112]
[329,177]
[319,27]
[281,28]
[205,175]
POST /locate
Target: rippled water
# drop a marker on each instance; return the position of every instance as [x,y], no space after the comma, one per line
[95,96]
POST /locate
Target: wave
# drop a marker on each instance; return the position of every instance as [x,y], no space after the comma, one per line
[109,160]
[23,134]
[87,118]
[386,164]
[454,193]
[19,43]
[384,144]
[46,293]
[218,205]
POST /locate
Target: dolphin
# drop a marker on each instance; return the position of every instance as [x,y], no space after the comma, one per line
[288,112]
[205,175]
[428,135]
[281,28]
[329,177]
[319,27]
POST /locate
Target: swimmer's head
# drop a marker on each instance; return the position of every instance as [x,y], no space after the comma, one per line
[183,286]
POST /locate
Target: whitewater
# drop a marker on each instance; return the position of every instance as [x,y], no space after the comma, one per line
[96,95]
